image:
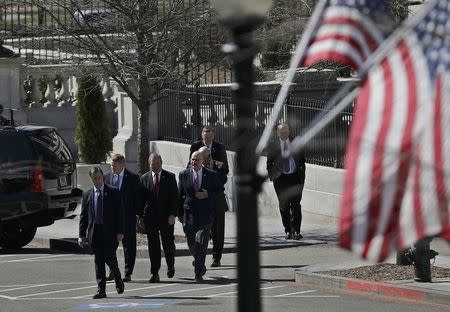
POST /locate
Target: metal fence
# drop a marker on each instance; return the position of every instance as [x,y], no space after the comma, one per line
[182,114]
[62,31]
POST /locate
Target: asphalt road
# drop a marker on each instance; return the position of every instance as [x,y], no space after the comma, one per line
[41,280]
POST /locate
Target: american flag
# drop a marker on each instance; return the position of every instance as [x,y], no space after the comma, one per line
[349,32]
[397,184]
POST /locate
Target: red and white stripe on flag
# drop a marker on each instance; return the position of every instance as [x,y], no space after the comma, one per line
[426,207]
[397,184]
[388,122]
[345,35]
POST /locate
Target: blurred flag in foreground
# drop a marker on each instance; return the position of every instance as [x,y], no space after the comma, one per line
[348,32]
[397,184]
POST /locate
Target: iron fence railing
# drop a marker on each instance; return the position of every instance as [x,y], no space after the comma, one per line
[62,31]
[182,114]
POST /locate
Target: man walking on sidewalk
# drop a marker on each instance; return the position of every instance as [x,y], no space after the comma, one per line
[217,149]
[197,188]
[220,205]
[160,199]
[129,188]
[288,176]
[101,227]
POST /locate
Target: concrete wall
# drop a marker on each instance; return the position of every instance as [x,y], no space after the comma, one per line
[321,195]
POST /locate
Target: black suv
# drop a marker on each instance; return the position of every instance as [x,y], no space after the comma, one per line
[37,182]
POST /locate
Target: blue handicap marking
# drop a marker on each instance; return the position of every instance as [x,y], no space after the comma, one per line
[125,305]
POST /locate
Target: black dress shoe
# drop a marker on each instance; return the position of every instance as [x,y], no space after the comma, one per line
[120,287]
[170,272]
[199,278]
[99,295]
[126,279]
[297,236]
[203,271]
[288,236]
[215,263]
[110,277]
[154,278]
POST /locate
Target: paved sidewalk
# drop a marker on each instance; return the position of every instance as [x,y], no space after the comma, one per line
[62,235]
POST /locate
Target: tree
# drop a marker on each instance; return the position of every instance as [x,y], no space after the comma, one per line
[288,20]
[145,46]
[92,135]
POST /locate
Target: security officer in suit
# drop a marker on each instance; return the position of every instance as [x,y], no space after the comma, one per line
[197,188]
[217,149]
[160,204]
[220,205]
[101,227]
[128,184]
[288,176]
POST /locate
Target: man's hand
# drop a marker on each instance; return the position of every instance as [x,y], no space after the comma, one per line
[201,194]
[81,241]
[171,220]
[119,237]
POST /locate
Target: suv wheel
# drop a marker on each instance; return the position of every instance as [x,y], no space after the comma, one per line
[17,237]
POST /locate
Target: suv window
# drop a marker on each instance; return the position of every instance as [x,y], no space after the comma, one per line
[14,147]
[50,146]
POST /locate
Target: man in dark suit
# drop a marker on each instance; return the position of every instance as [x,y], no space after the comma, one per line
[197,188]
[160,200]
[288,176]
[101,227]
[217,149]
[128,184]
[220,205]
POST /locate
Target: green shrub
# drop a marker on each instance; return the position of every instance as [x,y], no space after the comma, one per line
[92,134]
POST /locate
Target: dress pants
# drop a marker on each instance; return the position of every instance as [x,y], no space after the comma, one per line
[154,232]
[289,192]
[103,253]
[129,249]
[218,233]
[197,239]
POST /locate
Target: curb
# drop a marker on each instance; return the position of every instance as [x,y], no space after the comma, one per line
[385,289]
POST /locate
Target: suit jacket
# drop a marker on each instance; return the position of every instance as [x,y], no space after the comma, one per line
[221,202]
[275,162]
[218,152]
[193,211]
[130,194]
[158,206]
[112,216]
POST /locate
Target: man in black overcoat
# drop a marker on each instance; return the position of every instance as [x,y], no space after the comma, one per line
[128,184]
[288,176]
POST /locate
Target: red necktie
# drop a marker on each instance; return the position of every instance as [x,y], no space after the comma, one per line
[196,184]
[155,182]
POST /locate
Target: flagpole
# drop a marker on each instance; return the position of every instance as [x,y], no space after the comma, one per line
[295,61]
[348,93]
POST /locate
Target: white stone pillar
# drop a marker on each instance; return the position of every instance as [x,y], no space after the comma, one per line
[125,142]
[10,88]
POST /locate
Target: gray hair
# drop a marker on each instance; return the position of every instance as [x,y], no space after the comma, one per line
[94,170]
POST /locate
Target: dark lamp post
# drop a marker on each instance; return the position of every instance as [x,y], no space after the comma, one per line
[242,17]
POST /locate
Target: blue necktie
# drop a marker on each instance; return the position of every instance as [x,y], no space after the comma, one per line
[286,163]
[117,183]
[99,208]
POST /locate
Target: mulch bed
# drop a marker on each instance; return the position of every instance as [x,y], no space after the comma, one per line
[386,272]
